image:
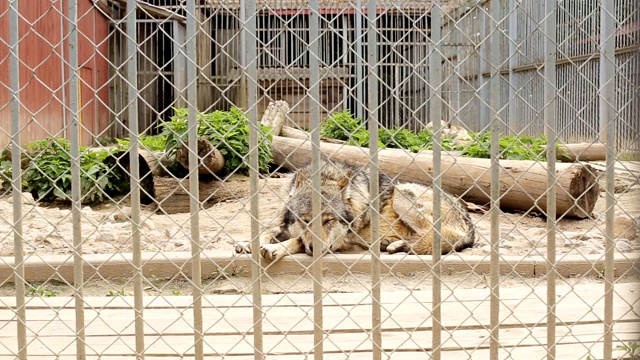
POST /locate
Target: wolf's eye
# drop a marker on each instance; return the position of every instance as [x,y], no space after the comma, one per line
[327,221]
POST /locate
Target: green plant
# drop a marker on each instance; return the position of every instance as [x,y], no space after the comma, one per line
[228,131]
[512,147]
[48,174]
[342,126]
[5,174]
[176,292]
[39,290]
[630,349]
[151,142]
[117,293]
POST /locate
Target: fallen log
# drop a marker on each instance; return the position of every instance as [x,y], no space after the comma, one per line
[523,183]
[581,152]
[275,115]
[172,194]
[210,160]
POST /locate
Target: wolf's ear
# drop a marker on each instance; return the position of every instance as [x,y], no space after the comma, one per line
[342,183]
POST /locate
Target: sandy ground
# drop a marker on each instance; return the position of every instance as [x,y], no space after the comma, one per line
[48,230]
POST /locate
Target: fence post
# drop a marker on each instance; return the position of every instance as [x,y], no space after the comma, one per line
[550,49]
[373,123]
[494,125]
[134,172]
[435,114]
[608,136]
[16,177]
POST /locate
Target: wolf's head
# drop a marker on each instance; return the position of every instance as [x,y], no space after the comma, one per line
[335,217]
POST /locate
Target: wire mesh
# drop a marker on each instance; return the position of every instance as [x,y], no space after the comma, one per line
[336,179]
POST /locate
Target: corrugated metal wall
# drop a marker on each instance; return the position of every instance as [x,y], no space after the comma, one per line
[44,73]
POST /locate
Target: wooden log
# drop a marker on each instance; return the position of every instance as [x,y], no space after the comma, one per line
[275,115]
[210,159]
[581,152]
[294,133]
[172,194]
[523,184]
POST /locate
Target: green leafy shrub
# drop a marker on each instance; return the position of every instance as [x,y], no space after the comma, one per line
[151,142]
[512,147]
[343,126]
[228,131]
[48,174]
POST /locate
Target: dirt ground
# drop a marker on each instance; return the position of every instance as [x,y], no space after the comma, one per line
[48,230]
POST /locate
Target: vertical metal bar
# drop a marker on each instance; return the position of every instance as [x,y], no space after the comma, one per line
[482,68]
[134,173]
[243,54]
[372,107]
[179,64]
[316,202]
[16,178]
[194,198]
[76,216]
[550,49]
[494,124]
[251,73]
[608,136]
[513,61]
[357,16]
[435,113]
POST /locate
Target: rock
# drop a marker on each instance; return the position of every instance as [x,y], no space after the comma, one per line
[624,227]
[589,250]
[572,243]
[26,197]
[505,244]
[623,246]
[596,244]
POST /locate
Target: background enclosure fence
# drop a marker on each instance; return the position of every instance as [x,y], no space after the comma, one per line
[120,223]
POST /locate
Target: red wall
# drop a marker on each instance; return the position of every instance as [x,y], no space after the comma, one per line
[44,70]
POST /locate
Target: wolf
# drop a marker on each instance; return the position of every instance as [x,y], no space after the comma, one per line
[405,222]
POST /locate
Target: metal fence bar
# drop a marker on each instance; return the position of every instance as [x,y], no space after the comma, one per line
[435,114]
[316,202]
[550,93]
[76,195]
[251,72]
[513,62]
[374,188]
[494,124]
[16,178]
[607,123]
[134,173]
[194,185]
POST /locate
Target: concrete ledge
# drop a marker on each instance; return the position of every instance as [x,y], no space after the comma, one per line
[214,263]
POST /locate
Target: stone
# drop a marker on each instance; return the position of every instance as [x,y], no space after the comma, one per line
[623,246]
[624,227]
[505,244]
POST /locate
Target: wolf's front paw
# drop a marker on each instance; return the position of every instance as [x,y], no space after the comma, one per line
[273,252]
[243,248]
[398,246]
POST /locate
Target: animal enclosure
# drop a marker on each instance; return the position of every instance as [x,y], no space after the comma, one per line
[202,223]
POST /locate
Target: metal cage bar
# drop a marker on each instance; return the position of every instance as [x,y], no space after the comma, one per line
[494,126]
[194,183]
[76,191]
[374,198]
[608,115]
[134,173]
[435,113]
[550,50]
[16,179]
[251,73]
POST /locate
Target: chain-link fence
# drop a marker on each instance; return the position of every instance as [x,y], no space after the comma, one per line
[196,179]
